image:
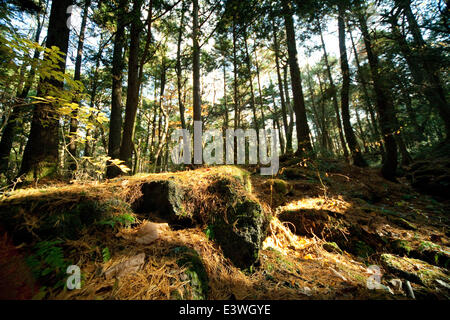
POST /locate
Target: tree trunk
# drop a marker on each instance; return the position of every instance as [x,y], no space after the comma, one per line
[77,77]
[179,69]
[289,148]
[252,93]
[115,122]
[126,147]
[41,151]
[10,130]
[357,157]
[334,91]
[289,110]
[303,134]
[384,105]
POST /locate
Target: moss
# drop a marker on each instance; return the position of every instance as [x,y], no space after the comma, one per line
[65,221]
[279,186]
[195,270]
[332,247]
[241,175]
[238,222]
[415,270]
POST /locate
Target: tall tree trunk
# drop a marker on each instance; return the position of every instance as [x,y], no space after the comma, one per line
[252,93]
[326,134]
[277,120]
[179,69]
[384,105]
[284,111]
[315,110]
[10,129]
[126,147]
[261,104]
[197,100]
[225,100]
[41,151]
[290,112]
[118,63]
[303,134]
[334,91]
[357,157]
[77,77]
[235,72]
[196,64]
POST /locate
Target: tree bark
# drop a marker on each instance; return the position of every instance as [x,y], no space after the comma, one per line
[77,77]
[115,122]
[126,147]
[303,134]
[179,69]
[357,157]
[41,152]
[289,148]
[10,129]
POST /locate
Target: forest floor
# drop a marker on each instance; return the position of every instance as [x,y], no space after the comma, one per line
[333,229]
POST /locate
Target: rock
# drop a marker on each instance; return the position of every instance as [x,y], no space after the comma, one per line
[195,273]
[164,197]
[67,220]
[133,264]
[239,225]
[278,186]
[332,247]
[414,270]
[431,176]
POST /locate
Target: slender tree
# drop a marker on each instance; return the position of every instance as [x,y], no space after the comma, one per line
[357,157]
[303,134]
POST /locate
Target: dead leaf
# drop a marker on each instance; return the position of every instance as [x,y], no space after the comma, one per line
[131,265]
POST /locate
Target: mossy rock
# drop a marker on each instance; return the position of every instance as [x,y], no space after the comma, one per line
[239,225]
[332,247]
[164,197]
[65,221]
[279,186]
[195,272]
[414,270]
